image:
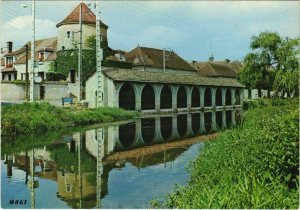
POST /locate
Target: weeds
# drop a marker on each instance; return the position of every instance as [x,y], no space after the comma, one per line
[253,166]
[29,118]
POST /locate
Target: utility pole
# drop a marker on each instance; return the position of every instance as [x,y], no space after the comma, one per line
[80,53]
[26,74]
[99,57]
[32,52]
[164,60]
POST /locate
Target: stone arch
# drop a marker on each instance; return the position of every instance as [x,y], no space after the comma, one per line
[127,134]
[148,130]
[218,97]
[228,118]
[166,98]
[237,96]
[195,97]
[166,127]
[196,123]
[148,98]
[182,124]
[181,97]
[228,97]
[219,115]
[208,121]
[207,97]
[127,97]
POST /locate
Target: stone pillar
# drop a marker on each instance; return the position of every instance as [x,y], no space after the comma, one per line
[213,96]
[189,130]
[213,121]
[157,92]
[223,90]
[138,134]
[224,119]
[174,134]
[241,96]
[157,136]
[233,122]
[138,88]
[174,90]
[201,91]
[232,96]
[202,123]
[117,88]
[188,90]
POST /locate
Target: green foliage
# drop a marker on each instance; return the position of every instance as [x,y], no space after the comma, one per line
[68,59]
[55,76]
[41,117]
[255,165]
[272,64]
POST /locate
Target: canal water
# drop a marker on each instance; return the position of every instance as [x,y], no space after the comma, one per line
[116,166]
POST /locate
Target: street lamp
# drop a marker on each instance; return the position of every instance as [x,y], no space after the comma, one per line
[32,73]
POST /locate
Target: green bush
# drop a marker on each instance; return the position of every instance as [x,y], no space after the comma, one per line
[255,165]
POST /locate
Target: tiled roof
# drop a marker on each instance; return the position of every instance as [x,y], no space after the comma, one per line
[129,75]
[214,69]
[40,45]
[8,69]
[88,17]
[151,57]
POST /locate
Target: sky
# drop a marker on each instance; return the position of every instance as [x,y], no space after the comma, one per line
[193,29]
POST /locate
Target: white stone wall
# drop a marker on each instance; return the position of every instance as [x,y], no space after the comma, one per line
[63,40]
[109,91]
[54,91]
[11,91]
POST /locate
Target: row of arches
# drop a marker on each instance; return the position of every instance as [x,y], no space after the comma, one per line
[166,127]
[127,97]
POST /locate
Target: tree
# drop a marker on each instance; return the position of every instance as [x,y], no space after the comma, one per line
[272,60]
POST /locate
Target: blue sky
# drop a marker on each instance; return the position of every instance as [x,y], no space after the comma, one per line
[190,28]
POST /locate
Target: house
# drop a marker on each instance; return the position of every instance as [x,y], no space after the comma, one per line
[217,68]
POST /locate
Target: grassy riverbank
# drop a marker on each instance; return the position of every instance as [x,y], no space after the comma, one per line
[29,118]
[253,166]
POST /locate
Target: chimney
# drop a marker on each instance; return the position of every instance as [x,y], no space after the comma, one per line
[194,63]
[9,46]
[227,60]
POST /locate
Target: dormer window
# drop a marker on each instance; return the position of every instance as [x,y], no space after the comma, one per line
[68,34]
[9,62]
[41,56]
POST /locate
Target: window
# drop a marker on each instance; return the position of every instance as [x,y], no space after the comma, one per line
[72,76]
[63,47]
[41,56]
[68,34]
[9,77]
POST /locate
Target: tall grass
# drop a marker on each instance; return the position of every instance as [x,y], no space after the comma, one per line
[253,166]
[41,117]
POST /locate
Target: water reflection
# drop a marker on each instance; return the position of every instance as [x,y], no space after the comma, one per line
[80,164]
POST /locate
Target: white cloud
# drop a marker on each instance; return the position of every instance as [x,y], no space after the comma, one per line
[19,30]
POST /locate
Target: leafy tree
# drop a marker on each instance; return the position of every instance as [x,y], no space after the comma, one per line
[272,64]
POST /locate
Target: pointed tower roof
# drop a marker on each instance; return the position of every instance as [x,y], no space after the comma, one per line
[88,17]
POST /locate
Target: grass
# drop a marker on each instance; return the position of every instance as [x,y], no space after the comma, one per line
[255,165]
[28,118]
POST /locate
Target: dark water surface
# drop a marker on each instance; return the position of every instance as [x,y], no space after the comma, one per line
[118,166]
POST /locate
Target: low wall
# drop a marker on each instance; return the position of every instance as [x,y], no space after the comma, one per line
[12,91]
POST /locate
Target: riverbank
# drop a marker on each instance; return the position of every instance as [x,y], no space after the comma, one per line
[28,118]
[253,166]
